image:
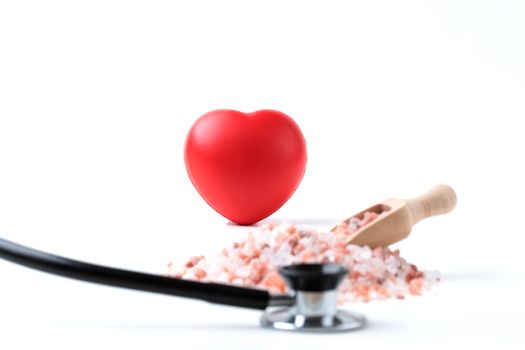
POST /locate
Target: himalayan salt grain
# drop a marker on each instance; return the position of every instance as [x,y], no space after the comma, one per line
[254,261]
[200,274]
[415,286]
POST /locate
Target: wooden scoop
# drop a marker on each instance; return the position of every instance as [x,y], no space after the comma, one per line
[399,215]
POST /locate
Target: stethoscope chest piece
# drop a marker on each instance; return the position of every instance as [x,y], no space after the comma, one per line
[315,308]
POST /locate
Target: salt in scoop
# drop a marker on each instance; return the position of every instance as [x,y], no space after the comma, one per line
[397,216]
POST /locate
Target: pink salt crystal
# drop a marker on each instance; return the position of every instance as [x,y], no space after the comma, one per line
[200,273]
[274,281]
[291,229]
[415,286]
[307,255]
[194,261]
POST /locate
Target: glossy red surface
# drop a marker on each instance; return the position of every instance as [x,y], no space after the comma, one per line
[245,165]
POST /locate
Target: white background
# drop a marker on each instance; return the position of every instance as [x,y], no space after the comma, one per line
[393,97]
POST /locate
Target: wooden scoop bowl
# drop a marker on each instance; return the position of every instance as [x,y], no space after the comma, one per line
[400,215]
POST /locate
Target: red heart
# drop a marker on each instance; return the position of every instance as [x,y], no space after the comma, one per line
[245,165]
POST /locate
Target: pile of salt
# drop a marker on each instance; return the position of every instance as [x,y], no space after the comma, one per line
[253,262]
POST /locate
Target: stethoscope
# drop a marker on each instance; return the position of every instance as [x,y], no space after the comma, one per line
[312,306]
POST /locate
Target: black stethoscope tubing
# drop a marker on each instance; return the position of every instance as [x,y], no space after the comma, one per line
[212,292]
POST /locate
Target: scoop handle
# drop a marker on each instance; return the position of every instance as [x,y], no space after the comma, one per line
[439,200]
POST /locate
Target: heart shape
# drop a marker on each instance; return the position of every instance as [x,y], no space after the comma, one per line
[245,165]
